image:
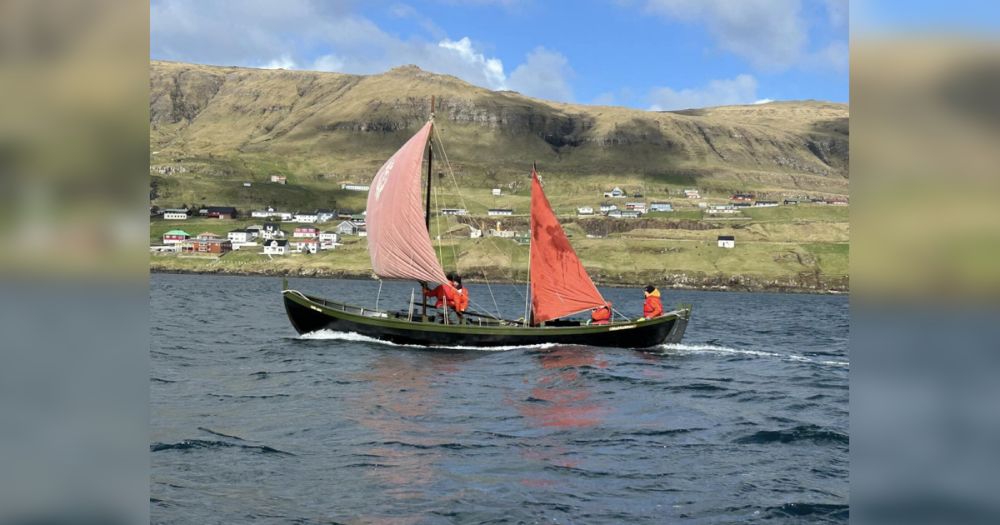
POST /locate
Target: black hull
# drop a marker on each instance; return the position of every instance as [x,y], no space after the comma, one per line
[310,314]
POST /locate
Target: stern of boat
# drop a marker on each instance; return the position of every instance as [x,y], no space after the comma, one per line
[683,313]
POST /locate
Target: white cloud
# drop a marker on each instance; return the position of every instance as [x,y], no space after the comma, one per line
[328,63]
[491,68]
[739,90]
[771,34]
[282,62]
[544,74]
[763,101]
[328,36]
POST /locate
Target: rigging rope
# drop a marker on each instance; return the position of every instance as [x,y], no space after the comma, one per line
[451,173]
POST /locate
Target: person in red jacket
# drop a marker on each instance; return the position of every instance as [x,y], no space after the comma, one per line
[652,307]
[601,314]
[461,301]
[443,293]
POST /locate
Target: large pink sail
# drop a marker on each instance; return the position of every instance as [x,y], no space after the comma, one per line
[398,241]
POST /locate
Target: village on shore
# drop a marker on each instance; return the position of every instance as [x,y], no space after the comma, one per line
[281,233]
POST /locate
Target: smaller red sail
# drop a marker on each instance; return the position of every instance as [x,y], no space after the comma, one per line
[560,285]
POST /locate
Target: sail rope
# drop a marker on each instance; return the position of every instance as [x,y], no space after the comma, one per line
[451,174]
[437,218]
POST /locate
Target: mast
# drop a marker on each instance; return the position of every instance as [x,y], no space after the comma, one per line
[430,162]
[427,206]
[527,285]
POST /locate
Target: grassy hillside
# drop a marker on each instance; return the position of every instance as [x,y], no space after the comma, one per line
[213,129]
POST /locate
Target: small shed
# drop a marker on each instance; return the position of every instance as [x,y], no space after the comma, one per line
[727,241]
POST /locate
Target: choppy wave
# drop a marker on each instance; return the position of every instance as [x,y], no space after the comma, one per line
[833,512]
[195,444]
[714,349]
[809,433]
[323,335]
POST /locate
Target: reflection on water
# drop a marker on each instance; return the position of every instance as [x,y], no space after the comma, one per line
[559,400]
[400,392]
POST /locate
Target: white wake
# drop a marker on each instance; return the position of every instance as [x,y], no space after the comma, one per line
[331,335]
[713,349]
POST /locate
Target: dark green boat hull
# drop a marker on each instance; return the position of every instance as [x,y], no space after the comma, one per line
[310,314]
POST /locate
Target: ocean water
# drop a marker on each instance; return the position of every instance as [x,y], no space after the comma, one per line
[746,421]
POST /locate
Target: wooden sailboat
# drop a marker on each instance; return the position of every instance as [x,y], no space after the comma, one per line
[400,248]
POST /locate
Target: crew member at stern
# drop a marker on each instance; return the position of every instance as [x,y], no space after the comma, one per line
[653,307]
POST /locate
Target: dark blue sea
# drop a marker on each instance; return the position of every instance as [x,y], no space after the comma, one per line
[746,421]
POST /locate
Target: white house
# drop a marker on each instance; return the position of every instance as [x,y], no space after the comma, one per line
[475,233]
[624,214]
[276,247]
[307,218]
[607,206]
[692,194]
[454,211]
[347,228]
[328,240]
[499,211]
[727,241]
[616,193]
[239,237]
[280,179]
[661,206]
[175,214]
[271,231]
[309,232]
[350,186]
[765,204]
[727,209]
[324,215]
[636,206]
[271,212]
[585,210]
[496,192]
[306,245]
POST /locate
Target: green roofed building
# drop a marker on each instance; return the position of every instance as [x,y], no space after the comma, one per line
[175,237]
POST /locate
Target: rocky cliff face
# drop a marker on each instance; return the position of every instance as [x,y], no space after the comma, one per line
[203,110]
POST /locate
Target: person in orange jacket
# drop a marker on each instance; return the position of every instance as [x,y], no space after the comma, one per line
[652,307]
[444,293]
[601,314]
[461,297]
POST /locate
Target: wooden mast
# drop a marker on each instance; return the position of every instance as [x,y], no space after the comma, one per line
[427,207]
[528,314]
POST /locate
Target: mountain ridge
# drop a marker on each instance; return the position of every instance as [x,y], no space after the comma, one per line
[340,127]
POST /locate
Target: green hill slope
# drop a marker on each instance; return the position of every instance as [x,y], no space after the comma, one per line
[214,129]
[321,129]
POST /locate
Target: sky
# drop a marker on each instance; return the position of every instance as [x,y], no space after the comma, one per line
[644,54]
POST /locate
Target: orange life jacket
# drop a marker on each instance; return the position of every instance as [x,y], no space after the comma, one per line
[600,315]
[652,307]
[461,301]
[443,293]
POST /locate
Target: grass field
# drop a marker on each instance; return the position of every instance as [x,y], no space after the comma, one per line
[767,251]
